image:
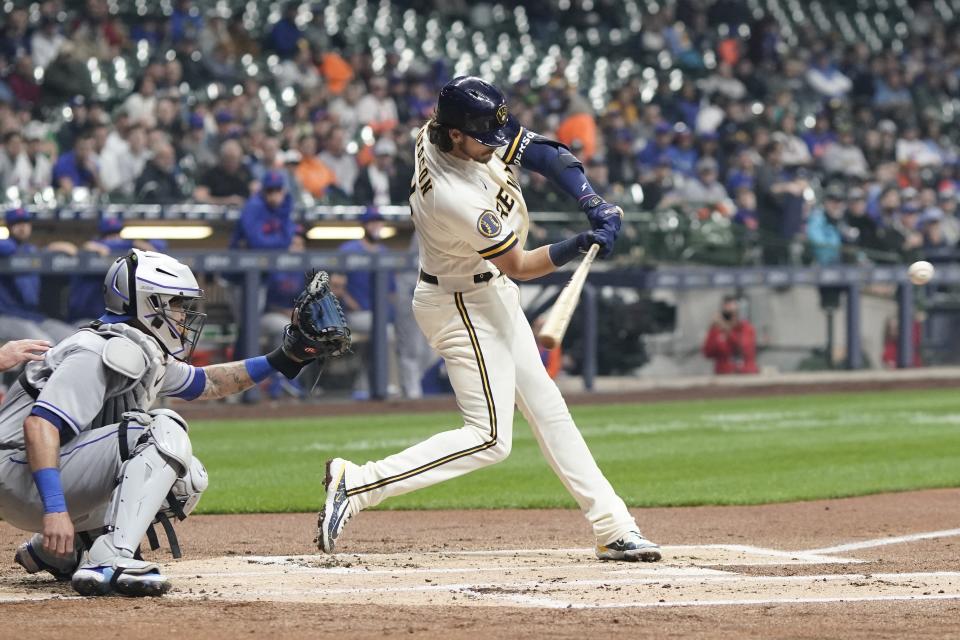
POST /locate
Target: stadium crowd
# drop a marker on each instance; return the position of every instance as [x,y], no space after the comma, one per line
[808,140]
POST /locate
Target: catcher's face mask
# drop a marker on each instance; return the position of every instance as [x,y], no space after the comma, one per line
[178,319]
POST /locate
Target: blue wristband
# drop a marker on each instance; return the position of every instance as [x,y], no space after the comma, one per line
[564,251]
[50,489]
[258,368]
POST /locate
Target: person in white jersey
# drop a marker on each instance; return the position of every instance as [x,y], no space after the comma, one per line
[471,223]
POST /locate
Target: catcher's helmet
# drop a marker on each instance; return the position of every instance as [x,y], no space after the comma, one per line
[477,108]
[156,293]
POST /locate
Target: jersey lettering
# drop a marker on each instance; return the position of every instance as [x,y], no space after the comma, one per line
[423,178]
[504,203]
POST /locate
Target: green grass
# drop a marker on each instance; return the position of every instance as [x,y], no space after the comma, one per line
[739,451]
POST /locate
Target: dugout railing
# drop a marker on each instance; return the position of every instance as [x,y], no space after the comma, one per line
[250,267]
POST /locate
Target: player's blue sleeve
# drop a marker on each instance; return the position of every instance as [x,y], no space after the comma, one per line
[7,248]
[550,159]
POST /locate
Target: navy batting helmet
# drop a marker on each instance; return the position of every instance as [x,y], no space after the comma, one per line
[477,108]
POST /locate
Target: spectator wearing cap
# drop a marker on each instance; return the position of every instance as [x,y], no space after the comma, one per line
[195,150]
[358,294]
[85,301]
[656,148]
[270,158]
[824,227]
[380,183]
[227,183]
[78,168]
[160,182]
[378,109]
[683,153]
[20,294]
[342,163]
[45,42]
[266,221]
[935,241]
[285,36]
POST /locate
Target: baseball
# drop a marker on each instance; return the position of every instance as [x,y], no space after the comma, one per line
[920,272]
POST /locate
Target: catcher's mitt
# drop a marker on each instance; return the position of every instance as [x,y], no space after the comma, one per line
[317,327]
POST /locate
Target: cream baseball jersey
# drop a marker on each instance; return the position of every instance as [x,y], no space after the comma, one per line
[465,212]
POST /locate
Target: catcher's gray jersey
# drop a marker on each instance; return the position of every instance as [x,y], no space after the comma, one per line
[75,382]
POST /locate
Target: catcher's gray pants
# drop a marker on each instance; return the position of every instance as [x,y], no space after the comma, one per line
[89,465]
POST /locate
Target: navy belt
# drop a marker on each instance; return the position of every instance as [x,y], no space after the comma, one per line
[478,278]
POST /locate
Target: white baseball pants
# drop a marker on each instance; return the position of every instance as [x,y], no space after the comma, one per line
[493,362]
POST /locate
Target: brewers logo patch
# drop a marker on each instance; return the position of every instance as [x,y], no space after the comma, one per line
[502,114]
[488,224]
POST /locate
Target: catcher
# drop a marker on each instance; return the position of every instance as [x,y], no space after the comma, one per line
[87,464]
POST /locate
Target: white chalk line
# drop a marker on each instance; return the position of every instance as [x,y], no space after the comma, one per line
[548,603]
[880,542]
[555,584]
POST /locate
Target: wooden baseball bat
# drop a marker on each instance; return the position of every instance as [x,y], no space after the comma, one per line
[559,317]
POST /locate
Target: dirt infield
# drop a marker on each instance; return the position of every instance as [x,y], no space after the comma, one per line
[880,566]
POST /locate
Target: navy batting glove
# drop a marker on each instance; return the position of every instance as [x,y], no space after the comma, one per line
[605,236]
[600,212]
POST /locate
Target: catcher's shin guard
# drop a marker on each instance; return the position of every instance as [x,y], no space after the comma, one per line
[145,481]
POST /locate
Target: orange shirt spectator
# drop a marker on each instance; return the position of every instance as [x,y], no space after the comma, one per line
[579,127]
[336,71]
[312,173]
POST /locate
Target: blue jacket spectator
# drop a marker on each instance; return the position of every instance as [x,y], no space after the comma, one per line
[77,168]
[20,294]
[20,313]
[360,283]
[85,301]
[266,221]
[823,229]
[285,36]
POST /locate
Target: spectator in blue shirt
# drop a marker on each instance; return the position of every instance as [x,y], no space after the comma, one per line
[282,288]
[85,302]
[20,314]
[77,168]
[266,222]
[285,36]
[358,295]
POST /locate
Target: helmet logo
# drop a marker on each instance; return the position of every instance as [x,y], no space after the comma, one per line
[502,114]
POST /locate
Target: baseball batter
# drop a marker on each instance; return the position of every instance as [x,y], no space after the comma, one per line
[471,223]
[84,461]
